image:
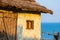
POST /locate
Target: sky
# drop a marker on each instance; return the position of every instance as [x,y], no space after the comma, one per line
[52,5]
[48,18]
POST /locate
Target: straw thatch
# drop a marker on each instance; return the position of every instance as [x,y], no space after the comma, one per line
[29,5]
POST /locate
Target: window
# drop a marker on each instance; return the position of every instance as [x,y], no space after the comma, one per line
[30,24]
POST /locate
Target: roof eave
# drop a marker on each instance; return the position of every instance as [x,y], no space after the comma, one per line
[47,11]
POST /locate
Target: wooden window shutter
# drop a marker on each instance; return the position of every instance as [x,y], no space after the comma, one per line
[30,24]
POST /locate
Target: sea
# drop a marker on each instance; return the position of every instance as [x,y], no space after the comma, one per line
[49,28]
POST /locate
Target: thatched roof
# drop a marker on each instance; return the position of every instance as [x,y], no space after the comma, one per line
[29,5]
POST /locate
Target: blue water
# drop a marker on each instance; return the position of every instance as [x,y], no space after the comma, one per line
[50,28]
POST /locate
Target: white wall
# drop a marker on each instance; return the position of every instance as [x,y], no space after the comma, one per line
[32,33]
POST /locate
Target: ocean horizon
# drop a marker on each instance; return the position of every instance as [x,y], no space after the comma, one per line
[50,28]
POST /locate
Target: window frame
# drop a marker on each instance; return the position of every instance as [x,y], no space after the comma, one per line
[31,23]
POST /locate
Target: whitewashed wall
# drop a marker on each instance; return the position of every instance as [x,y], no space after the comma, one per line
[32,33]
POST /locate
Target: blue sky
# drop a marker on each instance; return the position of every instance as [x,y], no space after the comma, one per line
[54,6]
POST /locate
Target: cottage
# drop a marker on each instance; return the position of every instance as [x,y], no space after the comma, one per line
[21,20]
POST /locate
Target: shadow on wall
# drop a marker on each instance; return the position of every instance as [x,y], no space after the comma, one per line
[5,36]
